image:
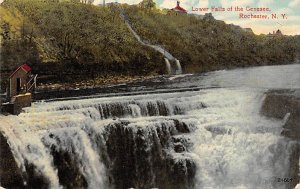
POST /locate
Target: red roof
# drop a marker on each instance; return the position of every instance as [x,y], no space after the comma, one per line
[179,8]
[24,67]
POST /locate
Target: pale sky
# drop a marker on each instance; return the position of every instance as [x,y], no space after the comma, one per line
[289,26]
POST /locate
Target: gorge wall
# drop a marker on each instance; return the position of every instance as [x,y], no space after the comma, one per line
[285,104]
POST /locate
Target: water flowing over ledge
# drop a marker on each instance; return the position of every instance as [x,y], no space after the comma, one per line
[186,138]
[285,104]
[168,56]
[210,138]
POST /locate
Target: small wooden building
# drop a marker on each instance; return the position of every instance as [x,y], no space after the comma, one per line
[21,84]
[21,81]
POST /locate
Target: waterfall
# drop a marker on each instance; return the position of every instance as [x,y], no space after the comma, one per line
[168,66]
[178,66]
[30,154]
[157,48]
[211,138]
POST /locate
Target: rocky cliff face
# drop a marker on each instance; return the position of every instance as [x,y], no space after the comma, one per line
[10,174]
[285,104]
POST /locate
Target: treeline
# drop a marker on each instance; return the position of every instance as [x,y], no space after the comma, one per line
[204,44]
[75,39]
[72,39]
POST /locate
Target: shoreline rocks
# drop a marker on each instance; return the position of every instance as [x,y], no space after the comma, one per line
[285,104]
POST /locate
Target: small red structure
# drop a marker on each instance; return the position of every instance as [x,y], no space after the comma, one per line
[21,84]
[21,81]
[179,9]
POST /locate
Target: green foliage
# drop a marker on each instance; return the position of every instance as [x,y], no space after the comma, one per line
[75,33]
[75,38]
[204,45]
[147,4]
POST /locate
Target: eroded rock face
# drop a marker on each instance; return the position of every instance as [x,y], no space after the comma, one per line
[285,104]
[153,156]
[10,174]
[67,169]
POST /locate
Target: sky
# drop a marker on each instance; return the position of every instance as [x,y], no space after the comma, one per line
[290,25]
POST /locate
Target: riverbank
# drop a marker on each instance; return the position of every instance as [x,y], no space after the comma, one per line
[88,88]
[98,82]
[155,83]
[82,54]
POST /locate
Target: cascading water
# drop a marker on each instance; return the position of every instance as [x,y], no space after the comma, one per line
[204,139]
[168,56]
[168,66]
[212,138]
[178,67]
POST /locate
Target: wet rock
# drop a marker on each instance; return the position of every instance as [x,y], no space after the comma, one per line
[10,174]
[68,170]
[139,157]
[278,103]
[34,178]
[285,104]
[179,148]
[181,172]
[181,126]
[67,166]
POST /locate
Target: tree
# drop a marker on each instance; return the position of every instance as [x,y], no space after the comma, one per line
[87,1]
[148,4]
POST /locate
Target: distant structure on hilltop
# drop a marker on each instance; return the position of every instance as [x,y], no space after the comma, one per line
[178,9]
[239,29]
[206,16]
[248,30]
[275,34]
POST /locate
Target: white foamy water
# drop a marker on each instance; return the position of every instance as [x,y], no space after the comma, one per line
[231,144]
[178,67]
[168,66]
[251,153]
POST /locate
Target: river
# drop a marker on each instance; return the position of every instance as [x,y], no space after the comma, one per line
[192,131]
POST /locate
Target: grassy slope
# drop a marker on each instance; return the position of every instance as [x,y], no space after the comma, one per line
[204,45]
[67,41]
[80,41]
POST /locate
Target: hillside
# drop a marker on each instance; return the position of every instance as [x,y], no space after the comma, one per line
[68,42]
[208,44]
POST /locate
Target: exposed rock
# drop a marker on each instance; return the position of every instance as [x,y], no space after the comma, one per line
[285,104]
[10,174]
[68,170]
[143,157]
